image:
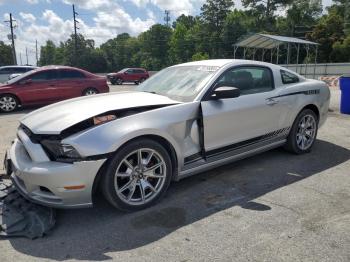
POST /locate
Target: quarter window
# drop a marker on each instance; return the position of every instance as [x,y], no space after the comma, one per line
[69,74]
[249,80]
[289,78]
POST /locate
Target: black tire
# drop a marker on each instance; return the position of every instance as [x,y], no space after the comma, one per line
[90,91]
[292,144]
[142,80]
[8,103]
[119,81]
[113,81]
[108,180]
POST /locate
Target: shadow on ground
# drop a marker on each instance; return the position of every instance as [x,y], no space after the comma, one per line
[91,233]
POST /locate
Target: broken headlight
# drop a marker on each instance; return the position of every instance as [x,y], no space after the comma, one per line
[60,152]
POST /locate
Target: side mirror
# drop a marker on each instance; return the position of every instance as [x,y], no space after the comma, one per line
[225,92]
[125,73]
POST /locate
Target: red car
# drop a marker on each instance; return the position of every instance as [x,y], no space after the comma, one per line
[135,75]
[47,85]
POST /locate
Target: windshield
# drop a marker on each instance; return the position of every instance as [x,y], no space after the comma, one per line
[20,77]
[182,83]
[123,70]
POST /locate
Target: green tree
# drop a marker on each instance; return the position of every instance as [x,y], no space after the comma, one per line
[265,10]
[181,45]
[213,15]
[187,20]
[154,44]
[47,54]
[327,32]
[6,57]
[237,24]
[200,56]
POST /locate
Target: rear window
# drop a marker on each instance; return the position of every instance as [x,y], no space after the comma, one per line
[289,78]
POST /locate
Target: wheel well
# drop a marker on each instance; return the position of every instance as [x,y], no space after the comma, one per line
[168,147]
[314,109]
[19,100]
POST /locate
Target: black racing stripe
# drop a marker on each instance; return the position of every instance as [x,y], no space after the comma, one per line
[192,158]
[308,92]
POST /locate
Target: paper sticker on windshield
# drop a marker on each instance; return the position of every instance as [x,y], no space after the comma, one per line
[208,68]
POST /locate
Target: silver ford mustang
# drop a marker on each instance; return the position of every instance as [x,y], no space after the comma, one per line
[184,120]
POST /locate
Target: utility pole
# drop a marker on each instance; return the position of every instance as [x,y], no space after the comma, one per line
[27,55]
[12,37]
[167,17]
[36,51]
[75,32]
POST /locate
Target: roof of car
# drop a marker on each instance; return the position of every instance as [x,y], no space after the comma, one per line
[20,66]
[223,62]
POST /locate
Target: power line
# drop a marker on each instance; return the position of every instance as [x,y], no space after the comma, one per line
[12,39]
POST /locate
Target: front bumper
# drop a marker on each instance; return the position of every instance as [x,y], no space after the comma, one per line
[45,182]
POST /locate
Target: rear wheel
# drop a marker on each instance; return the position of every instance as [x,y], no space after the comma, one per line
[8,103]
[90,92]
[138,175]
[303,133]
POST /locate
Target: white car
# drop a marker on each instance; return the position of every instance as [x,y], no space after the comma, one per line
[7,71]
[184,120]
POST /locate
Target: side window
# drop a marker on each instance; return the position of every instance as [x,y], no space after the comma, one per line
[130,71]
[249,80]
[19,70]
[4,71]
[289,78]
[69,74]
[43,76]
[139,71]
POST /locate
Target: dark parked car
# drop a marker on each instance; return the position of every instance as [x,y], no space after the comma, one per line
[133,75]
[47,85]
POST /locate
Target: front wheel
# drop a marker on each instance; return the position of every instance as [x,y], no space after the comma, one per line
[138,175]
[8,103]
[303,132]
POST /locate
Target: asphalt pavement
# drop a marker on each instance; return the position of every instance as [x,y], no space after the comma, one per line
[271,207]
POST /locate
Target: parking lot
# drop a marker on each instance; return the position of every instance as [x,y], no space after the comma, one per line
[271,207]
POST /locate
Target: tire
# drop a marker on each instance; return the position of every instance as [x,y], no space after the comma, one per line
[113,81]
[90,91]
[142,80]
[8,103]
[137,187]
[303,133]
[119,81]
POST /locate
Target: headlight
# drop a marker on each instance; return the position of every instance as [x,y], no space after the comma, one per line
[60,152]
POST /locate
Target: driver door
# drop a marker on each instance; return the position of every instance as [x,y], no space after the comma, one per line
[237,120]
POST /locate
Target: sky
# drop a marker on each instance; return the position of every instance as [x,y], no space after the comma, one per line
[99,20]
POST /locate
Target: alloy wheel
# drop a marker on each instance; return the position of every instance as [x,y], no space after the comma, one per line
[306,133]
[140,176]
[8,103]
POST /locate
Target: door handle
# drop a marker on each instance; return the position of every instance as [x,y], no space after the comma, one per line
[271,101]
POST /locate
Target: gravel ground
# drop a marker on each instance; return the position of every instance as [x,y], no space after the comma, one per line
[271,207]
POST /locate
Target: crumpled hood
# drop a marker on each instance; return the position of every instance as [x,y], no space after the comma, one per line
[53,119]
